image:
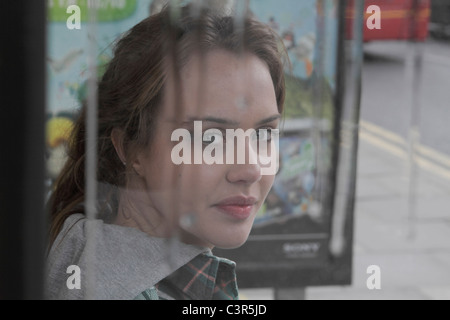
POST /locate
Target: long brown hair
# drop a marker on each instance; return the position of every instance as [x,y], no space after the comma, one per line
[131,89]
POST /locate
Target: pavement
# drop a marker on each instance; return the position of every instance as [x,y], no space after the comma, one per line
[402,223]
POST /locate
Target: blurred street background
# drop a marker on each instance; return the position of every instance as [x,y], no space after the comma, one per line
[402,213]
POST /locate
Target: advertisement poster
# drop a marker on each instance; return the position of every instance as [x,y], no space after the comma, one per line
[67,62]
[289,242]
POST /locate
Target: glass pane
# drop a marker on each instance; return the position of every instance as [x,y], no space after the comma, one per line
[193,142]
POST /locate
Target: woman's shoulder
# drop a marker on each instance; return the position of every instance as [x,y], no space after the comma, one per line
[123,262]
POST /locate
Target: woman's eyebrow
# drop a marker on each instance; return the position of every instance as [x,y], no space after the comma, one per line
[269,119]
[225,121]
[212,119]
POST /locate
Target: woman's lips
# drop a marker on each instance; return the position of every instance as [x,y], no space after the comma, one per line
[238,207]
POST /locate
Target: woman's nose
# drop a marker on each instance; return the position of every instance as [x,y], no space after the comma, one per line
[247,172]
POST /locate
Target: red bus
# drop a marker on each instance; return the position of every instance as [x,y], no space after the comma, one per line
[399,19]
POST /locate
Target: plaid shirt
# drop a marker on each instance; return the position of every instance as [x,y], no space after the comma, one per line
[206,277]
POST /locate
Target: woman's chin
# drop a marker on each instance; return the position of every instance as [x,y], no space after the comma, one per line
[229,244]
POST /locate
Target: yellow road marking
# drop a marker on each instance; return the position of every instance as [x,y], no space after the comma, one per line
[426,157]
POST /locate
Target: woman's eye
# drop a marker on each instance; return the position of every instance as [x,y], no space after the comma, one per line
[212,136]
[264,134]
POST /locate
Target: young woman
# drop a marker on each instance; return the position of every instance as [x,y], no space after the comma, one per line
[158,220]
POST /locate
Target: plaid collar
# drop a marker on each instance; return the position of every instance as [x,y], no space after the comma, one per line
[206,277]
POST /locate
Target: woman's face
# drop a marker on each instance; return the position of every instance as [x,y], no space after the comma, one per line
[209,204]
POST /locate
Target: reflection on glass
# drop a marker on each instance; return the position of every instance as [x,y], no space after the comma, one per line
[190,146]
[157,221]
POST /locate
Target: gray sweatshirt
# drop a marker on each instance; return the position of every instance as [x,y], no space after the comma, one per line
[114,262]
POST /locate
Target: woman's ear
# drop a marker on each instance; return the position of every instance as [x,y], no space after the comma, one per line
[137,164]
[117,137]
